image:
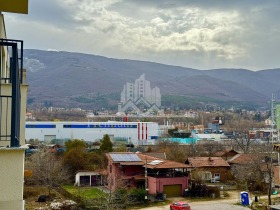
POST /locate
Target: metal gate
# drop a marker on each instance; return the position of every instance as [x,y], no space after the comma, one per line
[172,190]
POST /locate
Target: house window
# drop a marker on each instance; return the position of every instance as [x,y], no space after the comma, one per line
[217,177]
[206,176]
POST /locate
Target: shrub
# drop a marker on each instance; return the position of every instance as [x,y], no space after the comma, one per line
[138,194]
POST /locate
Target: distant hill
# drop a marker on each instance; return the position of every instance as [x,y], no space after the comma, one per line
[67,79]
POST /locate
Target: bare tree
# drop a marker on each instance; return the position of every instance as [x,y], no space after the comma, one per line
[259,167]
[47,169]
[264,166]
[241,128]
[243,141]
[209,148]
[174,151]
[121,198]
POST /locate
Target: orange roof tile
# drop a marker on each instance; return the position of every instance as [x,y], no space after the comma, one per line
[241,159]
[207,162]
[223,152]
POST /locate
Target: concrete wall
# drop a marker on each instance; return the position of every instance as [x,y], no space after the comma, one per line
[11,178]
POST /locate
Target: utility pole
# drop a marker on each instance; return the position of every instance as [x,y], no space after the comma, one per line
[146,181]
[272,116]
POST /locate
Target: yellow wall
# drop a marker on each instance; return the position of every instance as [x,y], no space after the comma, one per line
[11,178]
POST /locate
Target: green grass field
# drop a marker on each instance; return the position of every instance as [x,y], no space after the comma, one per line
[86,192]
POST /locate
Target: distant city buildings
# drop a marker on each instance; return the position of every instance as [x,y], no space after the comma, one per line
[140,97]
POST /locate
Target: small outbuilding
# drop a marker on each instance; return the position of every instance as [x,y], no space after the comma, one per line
[89,178]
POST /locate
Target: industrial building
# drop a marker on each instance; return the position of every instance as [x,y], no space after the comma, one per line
[137,133]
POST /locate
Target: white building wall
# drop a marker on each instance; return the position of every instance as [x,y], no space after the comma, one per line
[133,132]
[84,173]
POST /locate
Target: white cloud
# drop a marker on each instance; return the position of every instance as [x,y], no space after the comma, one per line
[196,34]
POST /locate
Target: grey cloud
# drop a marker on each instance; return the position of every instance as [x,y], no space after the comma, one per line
[53,12]
[210,4]
[193,33]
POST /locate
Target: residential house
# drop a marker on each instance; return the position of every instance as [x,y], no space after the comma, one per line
[226,154]
[240,162]
[241,159]
[213,169]
[254,167]
[141,170]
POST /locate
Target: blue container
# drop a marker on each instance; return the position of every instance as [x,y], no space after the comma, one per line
[244,196]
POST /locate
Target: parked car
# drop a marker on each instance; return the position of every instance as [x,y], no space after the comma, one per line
[180,205]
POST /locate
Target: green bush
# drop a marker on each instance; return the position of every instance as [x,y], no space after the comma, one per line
[138,194]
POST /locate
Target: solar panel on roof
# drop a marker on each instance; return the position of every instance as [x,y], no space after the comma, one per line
[125,157]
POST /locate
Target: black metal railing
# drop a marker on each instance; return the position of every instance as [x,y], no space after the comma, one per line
[11,76]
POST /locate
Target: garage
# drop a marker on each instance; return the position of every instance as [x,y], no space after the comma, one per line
[172,190]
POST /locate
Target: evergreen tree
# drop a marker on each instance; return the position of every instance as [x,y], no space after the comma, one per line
[106,144]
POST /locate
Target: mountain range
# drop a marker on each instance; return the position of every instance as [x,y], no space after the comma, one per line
[68,79]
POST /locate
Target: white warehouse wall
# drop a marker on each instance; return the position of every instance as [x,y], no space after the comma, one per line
[144,133]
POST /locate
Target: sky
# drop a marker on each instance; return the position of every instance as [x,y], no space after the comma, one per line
[200,34]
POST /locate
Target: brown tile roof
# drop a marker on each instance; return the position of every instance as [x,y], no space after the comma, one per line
[160,155]
[241,159]
[159,163]
[207,162]
[221,153]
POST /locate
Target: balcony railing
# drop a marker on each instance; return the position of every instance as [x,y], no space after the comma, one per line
[11,76]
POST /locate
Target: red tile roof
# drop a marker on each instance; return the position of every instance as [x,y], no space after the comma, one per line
[241,159]
[224,152]
[207,162]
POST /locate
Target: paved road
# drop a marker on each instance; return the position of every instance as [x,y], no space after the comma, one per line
[222,204]
[205,206]
[219,204]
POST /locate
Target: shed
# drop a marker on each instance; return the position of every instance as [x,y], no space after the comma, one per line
[89,178]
